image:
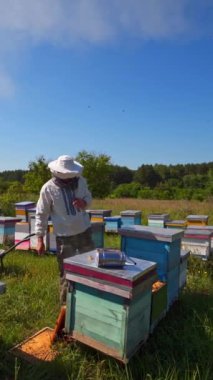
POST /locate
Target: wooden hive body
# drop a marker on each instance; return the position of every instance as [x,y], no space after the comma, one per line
[109,309]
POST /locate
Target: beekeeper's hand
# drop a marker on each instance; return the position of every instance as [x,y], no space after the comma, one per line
[40,246]
[79,203]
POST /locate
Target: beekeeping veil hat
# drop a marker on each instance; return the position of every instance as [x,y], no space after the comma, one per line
[65,167]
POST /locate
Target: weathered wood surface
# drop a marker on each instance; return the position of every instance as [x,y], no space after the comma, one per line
[129,275]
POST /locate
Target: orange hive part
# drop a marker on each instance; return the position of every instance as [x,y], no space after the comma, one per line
[39,346]
[157,285]
[59,323]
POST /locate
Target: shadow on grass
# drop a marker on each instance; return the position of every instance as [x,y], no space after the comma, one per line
[13,270]
[181,342]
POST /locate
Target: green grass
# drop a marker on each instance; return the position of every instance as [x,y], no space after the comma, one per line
[181,347]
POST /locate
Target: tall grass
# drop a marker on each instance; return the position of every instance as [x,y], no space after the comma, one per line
[177,209]
[181,347]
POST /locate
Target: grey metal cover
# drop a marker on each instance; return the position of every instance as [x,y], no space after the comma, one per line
[151,233]
[159,216]
[130,212]
[198,232]
[197,217]
[88,260]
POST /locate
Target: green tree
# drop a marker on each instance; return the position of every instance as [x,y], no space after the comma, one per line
[120,175]
[147,176]
[97,170]
[127,190]
[37,175]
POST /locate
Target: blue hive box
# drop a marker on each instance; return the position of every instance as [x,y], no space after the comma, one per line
[130,217]
[160,245]
[112,223]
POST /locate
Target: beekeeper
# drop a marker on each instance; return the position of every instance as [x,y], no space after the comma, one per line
[64,199]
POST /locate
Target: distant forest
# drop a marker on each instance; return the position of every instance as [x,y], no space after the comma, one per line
[189,181]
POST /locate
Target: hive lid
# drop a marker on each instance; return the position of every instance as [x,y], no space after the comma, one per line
[112,218]
[198,233]
[130,212]
[9,219]
[99,212]
[159,216]
[201,228]
[128,276]
[26,203]
[197,217]
[176,222]
[151,233]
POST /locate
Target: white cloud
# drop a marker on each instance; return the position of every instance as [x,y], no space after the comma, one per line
[25,23]
[99,20]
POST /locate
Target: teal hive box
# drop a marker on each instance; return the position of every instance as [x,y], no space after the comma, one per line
[112,223]
[7,229]
[157,220]
[98,234]
[130,217]
[161,245]
[109,309]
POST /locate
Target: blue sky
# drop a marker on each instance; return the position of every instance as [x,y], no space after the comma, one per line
[130,79]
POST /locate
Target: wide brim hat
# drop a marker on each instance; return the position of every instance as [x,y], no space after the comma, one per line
[65,167]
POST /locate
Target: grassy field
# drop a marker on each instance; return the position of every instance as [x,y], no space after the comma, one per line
[176,209]
[181,347]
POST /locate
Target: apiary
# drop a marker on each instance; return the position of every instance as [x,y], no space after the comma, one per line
[197,220]
[98,215]
[181,224]
[7,229]
[112,223]
[22,229]
[198,242]
[98,234]
[183,268]
[161,245]
[130,217]
[109,308]
[22,210]
[157,220]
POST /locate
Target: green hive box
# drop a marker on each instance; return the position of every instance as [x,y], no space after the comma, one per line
[109,309]
[158,306]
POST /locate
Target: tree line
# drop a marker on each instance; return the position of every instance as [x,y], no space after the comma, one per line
[181,181]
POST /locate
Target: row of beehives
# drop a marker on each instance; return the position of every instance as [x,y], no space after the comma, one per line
[198,235]
[115,310]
